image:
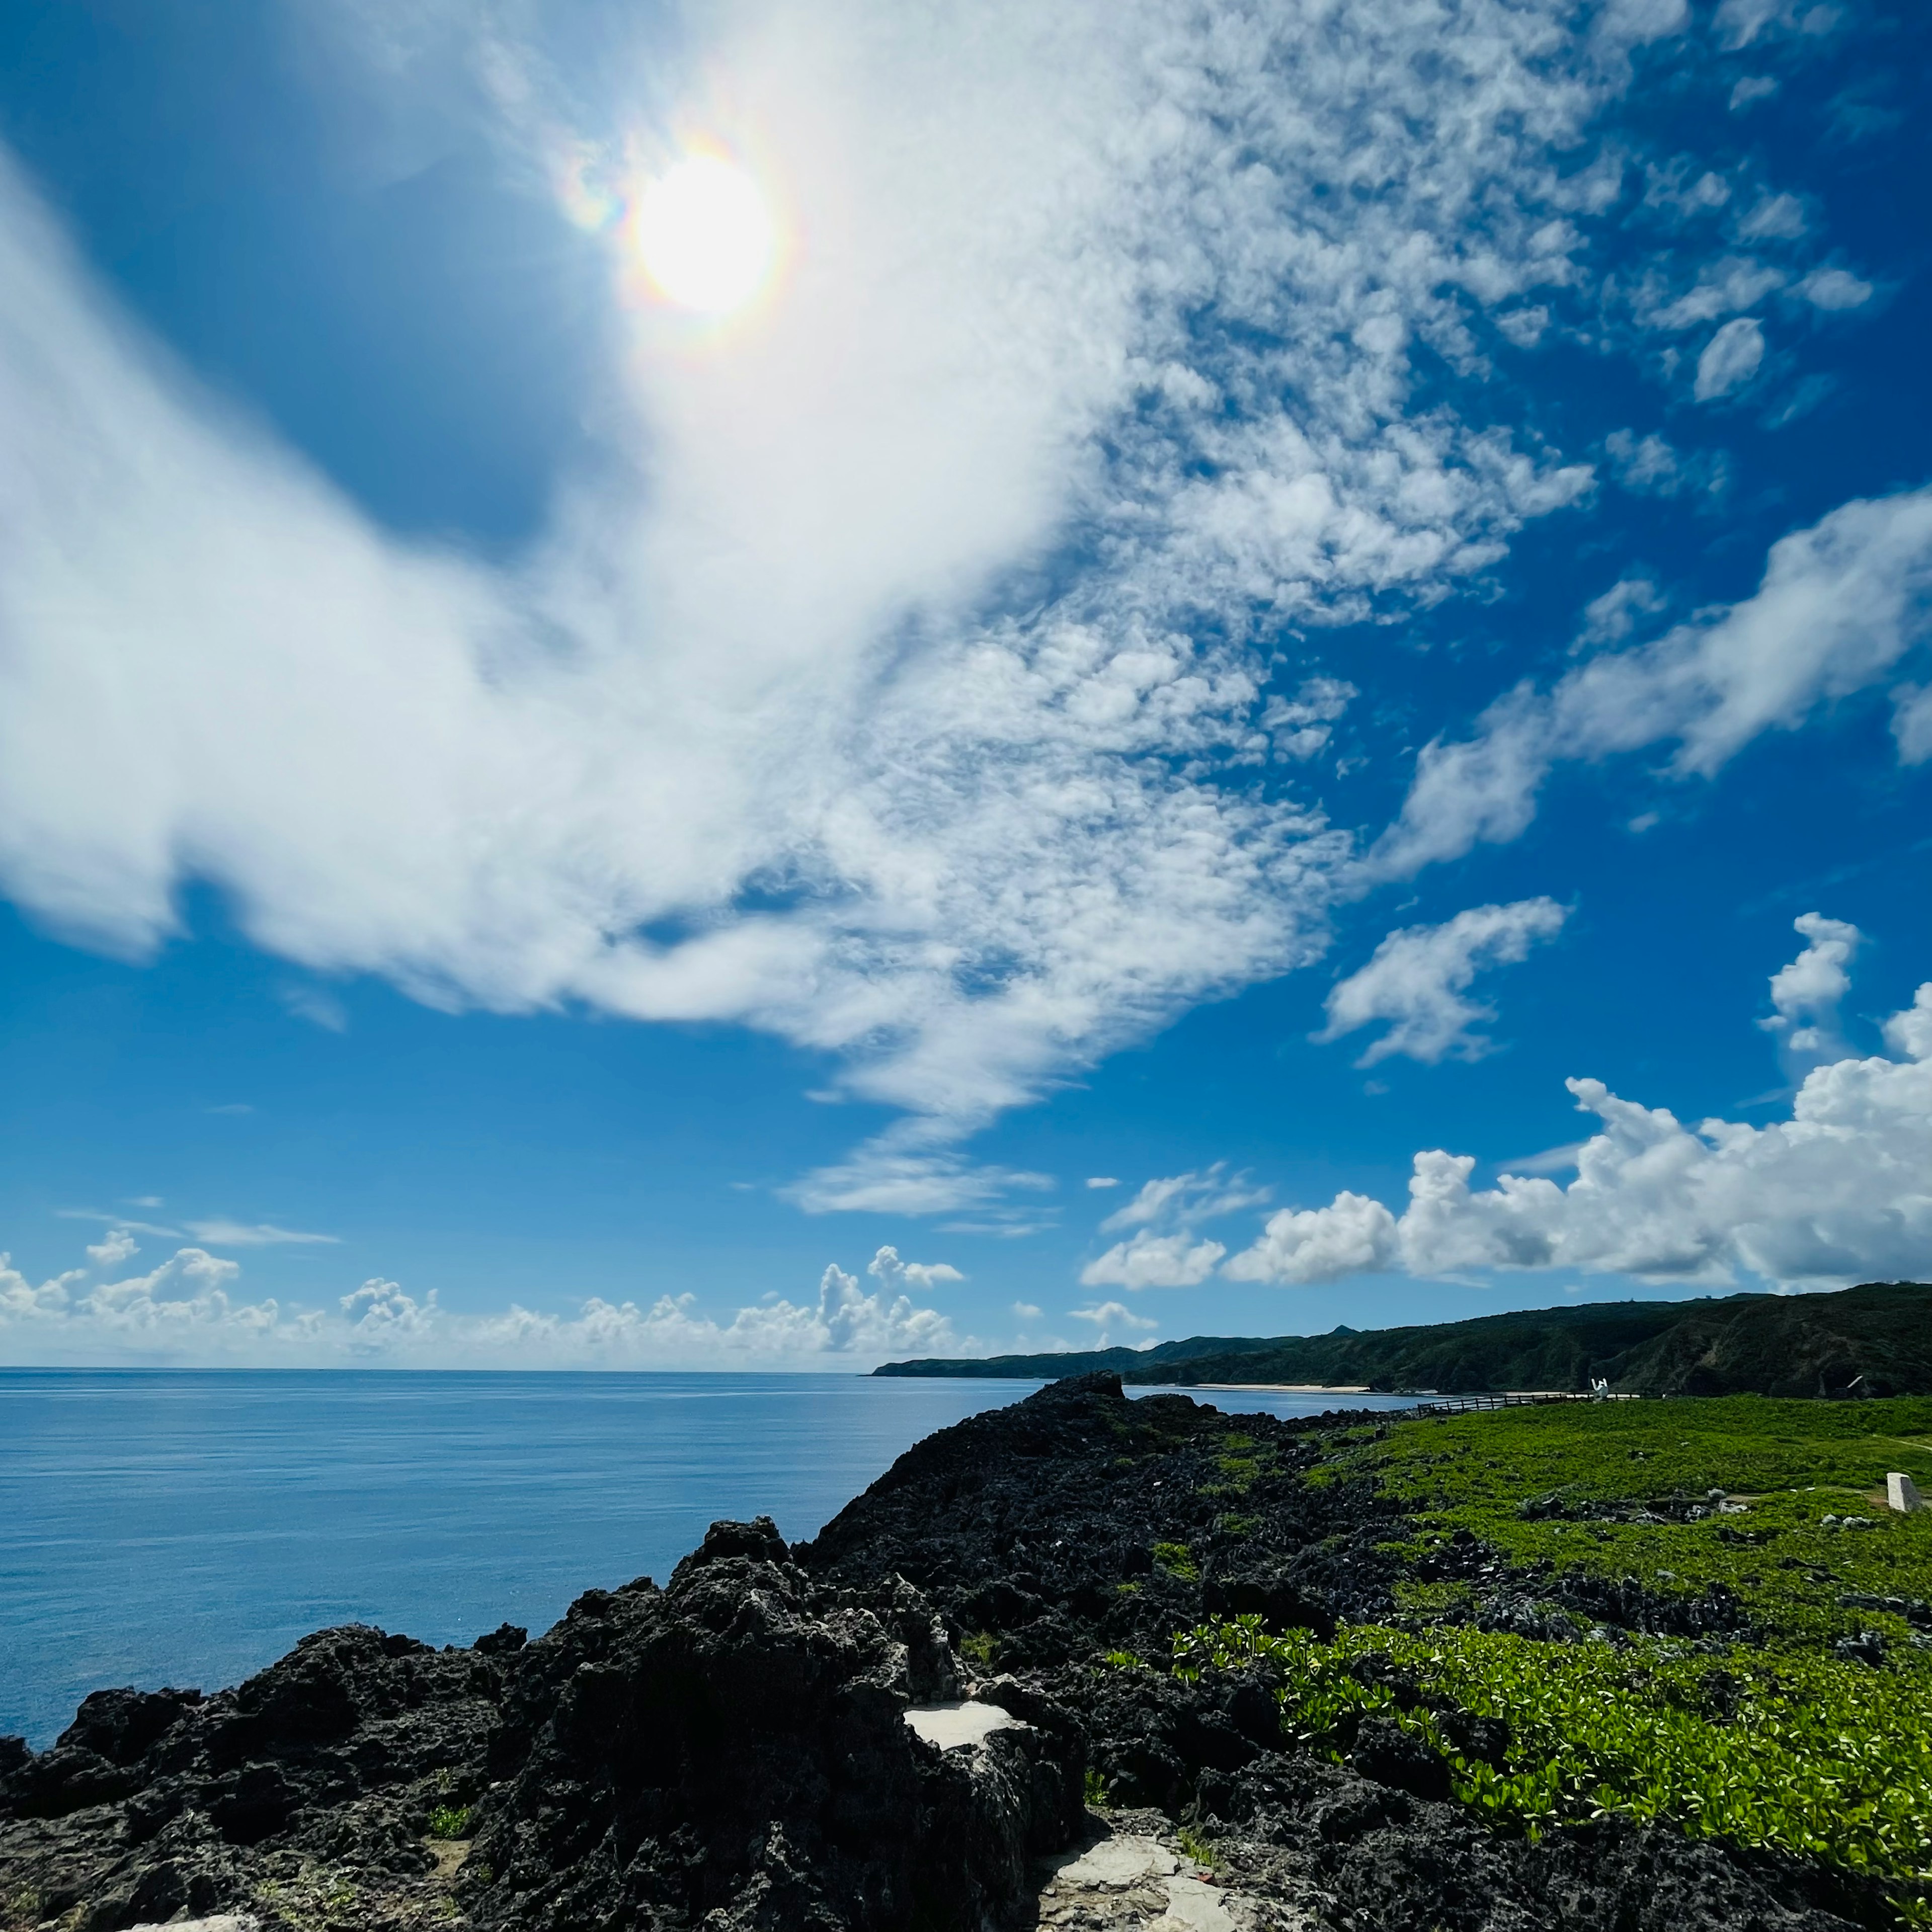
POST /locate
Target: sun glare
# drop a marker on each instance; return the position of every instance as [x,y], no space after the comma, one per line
[704,235]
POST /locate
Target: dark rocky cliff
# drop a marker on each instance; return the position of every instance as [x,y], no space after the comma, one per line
[730,1752]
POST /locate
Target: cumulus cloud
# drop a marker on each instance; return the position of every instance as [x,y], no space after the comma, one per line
[1730,359]
[894,1275]
[1835,289]
[1163,1252]
[1153,1261]
[185,1311]
[1108,1316]
[1806,994]
[112,1248]
[1418,977]
[1840,606]
[1353,1234]
[1102,1181]
[783,721]
[1840,1192]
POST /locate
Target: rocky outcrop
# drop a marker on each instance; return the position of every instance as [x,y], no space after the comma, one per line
[737,1745]
[732,1751]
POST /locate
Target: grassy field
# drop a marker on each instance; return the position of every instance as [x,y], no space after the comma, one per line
[1805,1726]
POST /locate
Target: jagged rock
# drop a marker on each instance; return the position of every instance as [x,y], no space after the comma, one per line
[731,1753]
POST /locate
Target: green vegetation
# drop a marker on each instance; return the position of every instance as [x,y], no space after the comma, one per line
[1827,1759]
[1177,1560]
[450,1821]
[1197,1847]
[1567,1489]
[1801,1345]
[981,1647]
[1096,1789]
[1780,1737]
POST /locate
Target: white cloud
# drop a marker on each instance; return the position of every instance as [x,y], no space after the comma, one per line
[1418,977]
[1026,1311]
[1153,1261]
[1842,1191]
[1730,359]
[1186,1198]
[1839,605]
[1835,289]
[1753,87]
[226,1233]
[1609,619]
[1352,1235]
[1649,467]
[318,1006]
[1909,1034]
[1806,994]
[780,723]
[894,1275]
[1108,1316]
[1102,1181]
[112,1248]
[1775,217]
[1300,726]
[120,1221]
[184,1311]
[1912,723]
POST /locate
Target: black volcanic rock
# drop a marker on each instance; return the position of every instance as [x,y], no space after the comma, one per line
[731,1749]
[731,1753]
[737,1744]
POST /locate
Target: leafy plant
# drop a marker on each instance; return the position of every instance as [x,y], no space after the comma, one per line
[1827,1759]
[450,1821]
[1197,1847]
[1177,1560]
[979,1648]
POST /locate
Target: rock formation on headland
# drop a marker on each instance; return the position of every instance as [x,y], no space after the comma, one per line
[732,1752]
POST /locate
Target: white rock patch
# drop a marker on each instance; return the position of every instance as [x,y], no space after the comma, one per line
[953,1726]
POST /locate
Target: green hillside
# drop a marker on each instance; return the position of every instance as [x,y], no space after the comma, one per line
[1875,1339]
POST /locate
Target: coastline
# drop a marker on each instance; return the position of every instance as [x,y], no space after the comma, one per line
[953,1709]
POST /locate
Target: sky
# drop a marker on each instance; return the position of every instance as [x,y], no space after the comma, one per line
[771,686]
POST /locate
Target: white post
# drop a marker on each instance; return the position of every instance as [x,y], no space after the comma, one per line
[1902,1493]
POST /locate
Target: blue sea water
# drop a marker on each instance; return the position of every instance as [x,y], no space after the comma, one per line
[186,1527]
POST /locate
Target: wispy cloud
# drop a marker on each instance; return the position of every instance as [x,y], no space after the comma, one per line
[913,713]
[1418,980]
[226,1233]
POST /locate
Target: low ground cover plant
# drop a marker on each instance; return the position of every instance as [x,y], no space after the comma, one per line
[1626,1490]
[1806,1729]
[1827,1759]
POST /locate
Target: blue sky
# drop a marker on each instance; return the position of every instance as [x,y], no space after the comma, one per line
[1232,604]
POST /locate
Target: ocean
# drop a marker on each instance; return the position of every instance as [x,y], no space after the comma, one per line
[186,1527]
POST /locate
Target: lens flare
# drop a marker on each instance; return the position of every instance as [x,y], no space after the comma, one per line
[704,235]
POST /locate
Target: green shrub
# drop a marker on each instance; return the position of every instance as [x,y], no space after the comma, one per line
[450,1821]
[1177,1560]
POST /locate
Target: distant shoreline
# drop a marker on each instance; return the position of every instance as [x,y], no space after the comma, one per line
[1301,1388]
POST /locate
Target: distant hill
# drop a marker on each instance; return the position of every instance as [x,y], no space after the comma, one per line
[1078,1361]
[1876,1338]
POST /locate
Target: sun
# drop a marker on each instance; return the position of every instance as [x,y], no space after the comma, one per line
[704,235]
